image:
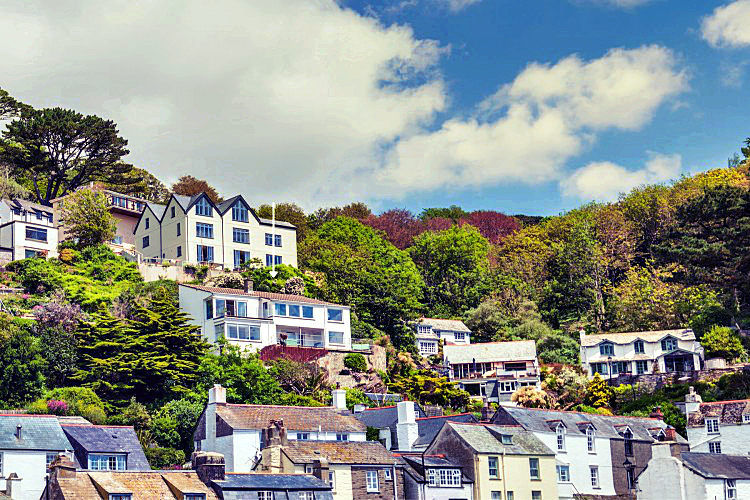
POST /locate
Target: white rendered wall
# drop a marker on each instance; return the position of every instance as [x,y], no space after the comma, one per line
[734,439]
[31,467]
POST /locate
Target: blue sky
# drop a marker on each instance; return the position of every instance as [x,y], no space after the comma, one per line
[522,106]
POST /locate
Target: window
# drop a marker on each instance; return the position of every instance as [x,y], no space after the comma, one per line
[641,367]
[600,368]
[145,243]
[36,234]
[731,489]
[563,473]
[305,495]
[639,347]
[560,437]
[209,309]
[203,230]
[294,311]
[591,439]
[30,254]
[746,418]
[335,337]
[239,212]
[179,229]
[172,212]
[277,240]
[536,495]
[194,496]
[424,329]
[240,235]
[534,468]
[629,477]
[332,480]
[628,442]
[594,476]
[179,251]
[38,215]
[496,495]
[241,257]
[432,477]
[243,332]
[492,467]
[428,347]
[148,222]
[372,481]
[273,259]
[50,458]
[387,474]
[307,311]
[280,309]
[277,260]
[606,349]
[509,495]
[335,315]
[107,462]
[510,386]
[712,425]
[269,239]
[303,436]
[203,207]
[459,335]
[120,496]
[205,253]
[714,447]
[669,344]
[265,495]
[342,437]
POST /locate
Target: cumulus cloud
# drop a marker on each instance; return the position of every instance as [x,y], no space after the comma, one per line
[623,4]
[728,26]
[604,181]
[456,5]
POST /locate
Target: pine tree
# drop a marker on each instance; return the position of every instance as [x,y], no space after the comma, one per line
[598,393]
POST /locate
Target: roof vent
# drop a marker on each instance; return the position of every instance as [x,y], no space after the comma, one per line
[19,427]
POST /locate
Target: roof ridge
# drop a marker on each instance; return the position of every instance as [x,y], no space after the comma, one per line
[277,406]
[582,413]
[444,416]
[727,401]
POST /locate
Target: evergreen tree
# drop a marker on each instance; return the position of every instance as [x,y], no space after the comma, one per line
[598,393]
[21,377]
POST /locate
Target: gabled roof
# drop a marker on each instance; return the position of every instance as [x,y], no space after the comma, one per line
[717,465]
[451,325]
[385,416]
[728,412]
[338,452]
[38,432]
[263,295]
[486,438]
[108,439]
[141,485]
[296,418]
[429,427]
[274,482]
[29,206]
[628,337]
[523,350]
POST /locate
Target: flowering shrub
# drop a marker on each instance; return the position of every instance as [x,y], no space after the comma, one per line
[57,407]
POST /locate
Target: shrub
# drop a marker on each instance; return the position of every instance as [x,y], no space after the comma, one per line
[355,362]
[161,458]
[79,401]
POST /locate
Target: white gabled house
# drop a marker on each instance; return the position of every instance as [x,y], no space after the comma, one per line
[195,230]
[26,230]
[253,319]
[638,353]
[430,331]
[718,427]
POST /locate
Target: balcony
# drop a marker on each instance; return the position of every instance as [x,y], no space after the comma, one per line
[300,337]
[495,374]
[126,205]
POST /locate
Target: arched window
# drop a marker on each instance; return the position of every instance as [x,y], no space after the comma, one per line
[591,439]
[628,442]
[561,437]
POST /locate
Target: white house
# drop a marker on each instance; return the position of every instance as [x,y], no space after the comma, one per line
[28,444]
[195,230]
[26,230]
[596,454]
[638,353]
[431,330]
[672,475]
[720,427]
[253,319]
[235,430]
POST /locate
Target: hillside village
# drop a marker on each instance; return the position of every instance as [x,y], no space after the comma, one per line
[172,343]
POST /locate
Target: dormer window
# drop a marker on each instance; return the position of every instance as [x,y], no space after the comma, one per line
[203,207]
[638,347]
[591,439]
[669,344]
[746,418]
[239,212]
[424,329]
[607,349]
[628,442]
[560,437]
[712,425]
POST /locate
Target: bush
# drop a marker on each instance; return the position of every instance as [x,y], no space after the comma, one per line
[161,458]
[79,401]
[355,362]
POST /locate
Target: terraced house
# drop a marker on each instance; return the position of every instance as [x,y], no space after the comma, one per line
[431,331]
[719,427]
[195,230]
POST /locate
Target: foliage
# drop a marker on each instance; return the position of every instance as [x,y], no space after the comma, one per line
[598,392]
[80,401]
[566,387]
[302,379]
[163,458]
[531,397]
[135,414]
[263,281]
[287,212]
[187,185]
[427,387]
[22,376]
[143,184]
[85,213]
[10,107]
[355,362]
[357,210]
[294,286]
[452,213]
[357,397]
[373,433]
[723,342]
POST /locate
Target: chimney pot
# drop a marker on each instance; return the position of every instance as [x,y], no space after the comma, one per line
[217,395]
[656,413]
[209,466]
[359,408]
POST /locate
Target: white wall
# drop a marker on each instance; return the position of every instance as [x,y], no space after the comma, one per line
[466,492]
[592,354]
[246,446]
[31,467]
[734,439]
[327,435]
[154,248]
[170,239]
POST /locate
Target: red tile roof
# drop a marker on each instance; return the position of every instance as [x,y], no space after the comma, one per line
[263,295]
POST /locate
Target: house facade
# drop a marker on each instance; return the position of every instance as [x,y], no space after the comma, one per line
[105,447]
[28,444]
[431,331]
[195,230]
[492,370]
[675,475]
[252,319]
[638,353]
[503,462]
[719,427]
[236,430]
[26,230]
[596,454]
[434,477]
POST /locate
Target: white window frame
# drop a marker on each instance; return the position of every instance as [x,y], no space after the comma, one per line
[372,480]
[730,486]
[714,447]
[305,495]
[712,423]
[342,436]
[490,467]
[563,473]
[432,477]
[424,329]
[265,495]
[594,473]
[303,436]
[591,439]
[533,468]
[642,345]
[459,335]
[560,432]
[332,480]
[387,473]
[746,418]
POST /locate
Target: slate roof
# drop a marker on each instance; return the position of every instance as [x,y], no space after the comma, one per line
[538,420]
[728,412]
[486,438]
[296,418]
[380,398]
[385,416]
[29,206]
[263,295]
[38,432]
[265,481]
[451,325]
[416,465]
[628,337]
[338,452]
[490,351]
[430,426]
[87,439]
[717,465]
[157,209]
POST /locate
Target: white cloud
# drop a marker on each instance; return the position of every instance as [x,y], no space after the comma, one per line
[728,25]
[456,5]
[604,181]
[732,73]
[622,4]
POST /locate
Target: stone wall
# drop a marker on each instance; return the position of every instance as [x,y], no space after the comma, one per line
[359,485]
[333,362]
[659,380]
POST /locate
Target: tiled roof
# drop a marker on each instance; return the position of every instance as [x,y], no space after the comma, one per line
[430,426]
[263,481]
[537,420]
[486,438]
[296,418]
[157,209]
[717,465]
[338,452]
[452,325]
[628,337]
[38,432]
[141,485]
[263,295]
[490,351]
[728,412]
[107,439]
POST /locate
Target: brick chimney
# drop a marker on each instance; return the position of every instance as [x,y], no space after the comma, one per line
[274,439]
[217,395]
[339,399]
[656,413]
[486,413]
[209,466]
[670,434]
[320,469]
[248,285]
[61,468]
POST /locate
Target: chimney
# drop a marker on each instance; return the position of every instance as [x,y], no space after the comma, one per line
[273,439]
[320,469]
[19,428]
[12,478]
[581,333]
[656,413]
[339,398]
[62,467]
[249,285]
[670,434]
[407,430]
[693,401]
[217,395]
[275,434]
[359,408]
[486,413]
[209,466]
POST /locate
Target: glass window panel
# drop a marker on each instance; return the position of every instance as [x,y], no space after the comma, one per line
[335,315]
[280,309]
[294,310]
[307,311]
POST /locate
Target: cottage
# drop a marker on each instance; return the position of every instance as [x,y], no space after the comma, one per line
[719,427]
[430,331]
[235,430]
[253,320]
[26,230]
[105,447]
[434,477]
[638,353]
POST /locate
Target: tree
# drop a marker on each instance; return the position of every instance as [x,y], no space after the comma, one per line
[598,393]
[531,397]
[287,212]
[10,107]
[59,150]
[723,342]
[21,378]
[142,183]
[453,213]
[427,387]
[566,387]
[79,401]
[356,210]
[181,416]
[494,226]
[187,185]
[54,327]
[399,226]
[453,264]
[87,219]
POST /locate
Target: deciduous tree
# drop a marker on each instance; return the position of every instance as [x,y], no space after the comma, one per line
[87,219]
[187,185]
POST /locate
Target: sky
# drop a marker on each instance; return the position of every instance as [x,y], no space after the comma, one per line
[520,106]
